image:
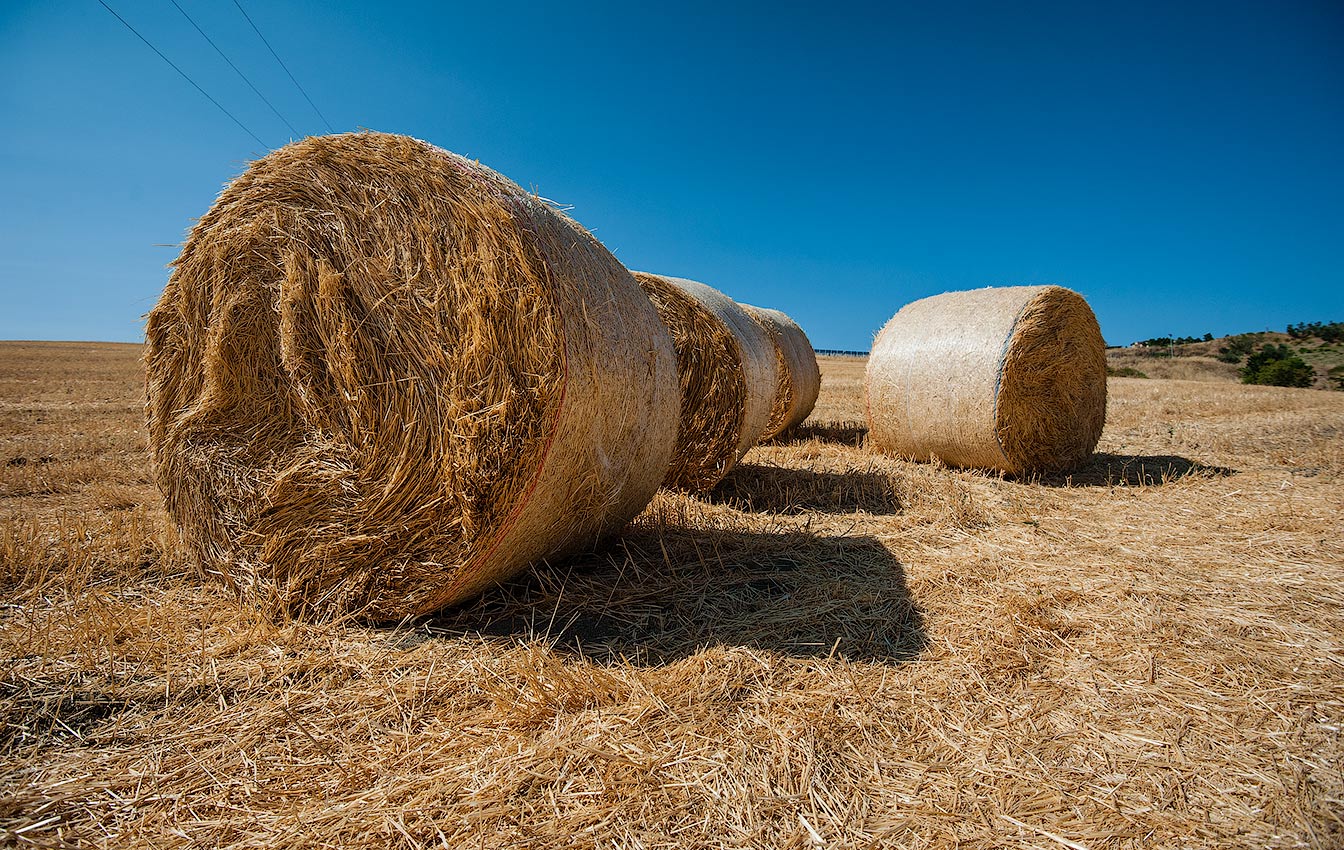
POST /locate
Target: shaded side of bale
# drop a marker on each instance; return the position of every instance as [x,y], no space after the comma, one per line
[1010,378]
[727,370]
[799,377]
[382,377]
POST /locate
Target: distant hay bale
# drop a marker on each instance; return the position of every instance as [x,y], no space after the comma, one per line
[383,377]
[799,377]
[1010,378]
[726,364]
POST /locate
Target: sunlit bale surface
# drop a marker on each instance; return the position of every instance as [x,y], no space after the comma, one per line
[383,377]
[1010,378]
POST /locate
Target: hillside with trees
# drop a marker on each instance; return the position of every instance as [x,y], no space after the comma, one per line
[1306,354]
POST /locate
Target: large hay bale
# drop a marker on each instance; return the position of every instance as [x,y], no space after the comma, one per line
[383,377]
[799,378]
[726,364]
[1010,378]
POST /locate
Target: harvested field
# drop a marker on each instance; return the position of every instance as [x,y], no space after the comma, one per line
[831,648]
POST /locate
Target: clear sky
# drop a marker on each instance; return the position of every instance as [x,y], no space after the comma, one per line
[1179,164]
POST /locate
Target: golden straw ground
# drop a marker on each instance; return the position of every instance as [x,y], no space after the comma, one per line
[1010,378]
[728,370]
[382,377]
[1144,653]
[799,379]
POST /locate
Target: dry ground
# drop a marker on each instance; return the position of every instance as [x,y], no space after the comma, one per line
[834,648]
[1184,367]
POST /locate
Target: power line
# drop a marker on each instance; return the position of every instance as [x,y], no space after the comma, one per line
[235,68]
[184,75]
[283,65]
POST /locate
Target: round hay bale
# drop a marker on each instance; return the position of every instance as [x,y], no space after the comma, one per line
[1010,378]
[726,364]
[383,377]
[799,377]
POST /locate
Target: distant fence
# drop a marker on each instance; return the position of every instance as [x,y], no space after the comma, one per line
[836,352]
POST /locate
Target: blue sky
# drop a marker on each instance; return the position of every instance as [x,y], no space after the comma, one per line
[1181,165]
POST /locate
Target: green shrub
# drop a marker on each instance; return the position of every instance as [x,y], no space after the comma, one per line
[1289,372]
[1124,372]
[1277,366]
[1336,377]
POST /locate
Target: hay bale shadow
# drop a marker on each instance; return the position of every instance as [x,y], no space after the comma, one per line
[53,708]
[765,488]
[1110,470]
[659,595]
[843,433]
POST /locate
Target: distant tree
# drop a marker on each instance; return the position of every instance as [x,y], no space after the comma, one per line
[1164,341]
[1288,372]
[1277,366]
[1330,332]
[1237,347]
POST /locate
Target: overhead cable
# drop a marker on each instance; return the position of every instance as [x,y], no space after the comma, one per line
[283,65]
[194,84]
[236,69]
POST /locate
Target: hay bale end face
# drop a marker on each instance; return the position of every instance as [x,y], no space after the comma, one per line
[1010,378]
[799,378]
[383,377]
[727,369]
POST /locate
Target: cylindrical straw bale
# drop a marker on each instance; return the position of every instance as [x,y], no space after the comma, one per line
[383,377]
[726,364]
[1010,378]
[799,377]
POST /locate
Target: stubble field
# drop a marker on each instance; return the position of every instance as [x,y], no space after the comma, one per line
[833,648]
